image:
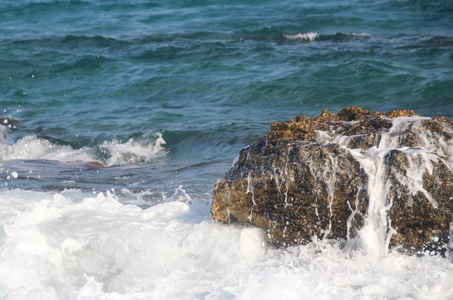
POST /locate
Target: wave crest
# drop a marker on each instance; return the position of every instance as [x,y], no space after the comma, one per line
[314,36]
[110,153]
[132,152]
[309,36]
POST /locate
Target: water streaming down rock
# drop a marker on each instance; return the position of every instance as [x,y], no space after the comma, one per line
[377,180]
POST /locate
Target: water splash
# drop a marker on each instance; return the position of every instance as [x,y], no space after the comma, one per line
[377,231]
[179,195]
[111,153]
[32,147]
[82,246]
[374,237]
[132,152]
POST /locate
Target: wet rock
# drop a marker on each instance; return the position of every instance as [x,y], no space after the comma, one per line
[93,165]
[356,175]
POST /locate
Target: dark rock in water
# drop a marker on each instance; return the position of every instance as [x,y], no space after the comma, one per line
[93,165]
[371,178]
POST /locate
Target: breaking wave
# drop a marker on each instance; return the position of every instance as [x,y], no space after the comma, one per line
[313,36]
[111,153]
[310,36]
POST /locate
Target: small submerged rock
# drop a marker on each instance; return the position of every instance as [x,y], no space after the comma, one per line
[372,178]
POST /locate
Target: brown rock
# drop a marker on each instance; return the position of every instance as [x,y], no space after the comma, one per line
[331,175]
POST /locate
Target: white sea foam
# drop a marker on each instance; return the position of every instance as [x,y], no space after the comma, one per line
[309,36]
[115,152]
[363,34]
[32,147]
[313,36]
[132,151]
[94,247]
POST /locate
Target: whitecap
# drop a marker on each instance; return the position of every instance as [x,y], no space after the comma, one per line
[32,147]
[313,36]
[309,36]
[111,153]
[362,34]
[132,151]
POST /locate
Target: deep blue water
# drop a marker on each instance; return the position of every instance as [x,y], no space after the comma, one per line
[100,80]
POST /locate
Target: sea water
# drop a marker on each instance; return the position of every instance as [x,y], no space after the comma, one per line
[165,94]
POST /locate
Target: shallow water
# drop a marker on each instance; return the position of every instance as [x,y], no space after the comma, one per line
[166,94]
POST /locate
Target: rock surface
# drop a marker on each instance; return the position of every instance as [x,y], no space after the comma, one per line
[376,178]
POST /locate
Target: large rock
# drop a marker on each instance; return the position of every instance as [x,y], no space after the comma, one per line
[373,179]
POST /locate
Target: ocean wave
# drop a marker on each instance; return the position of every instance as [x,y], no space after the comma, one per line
[22,8]
[90,43]
[32,147]
[132,152]
[111,153]
[150,45]
[314,36]
[310,36]
[107,42]
[87,63]
[363,34]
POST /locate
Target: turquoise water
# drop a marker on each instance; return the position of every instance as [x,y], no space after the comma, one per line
[209,75]
[165,94]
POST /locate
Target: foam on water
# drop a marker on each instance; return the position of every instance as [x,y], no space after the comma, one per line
[314,36]
[132,151]
[112,152]
[214,75]
[32,147]
[76,246]
[309,36]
